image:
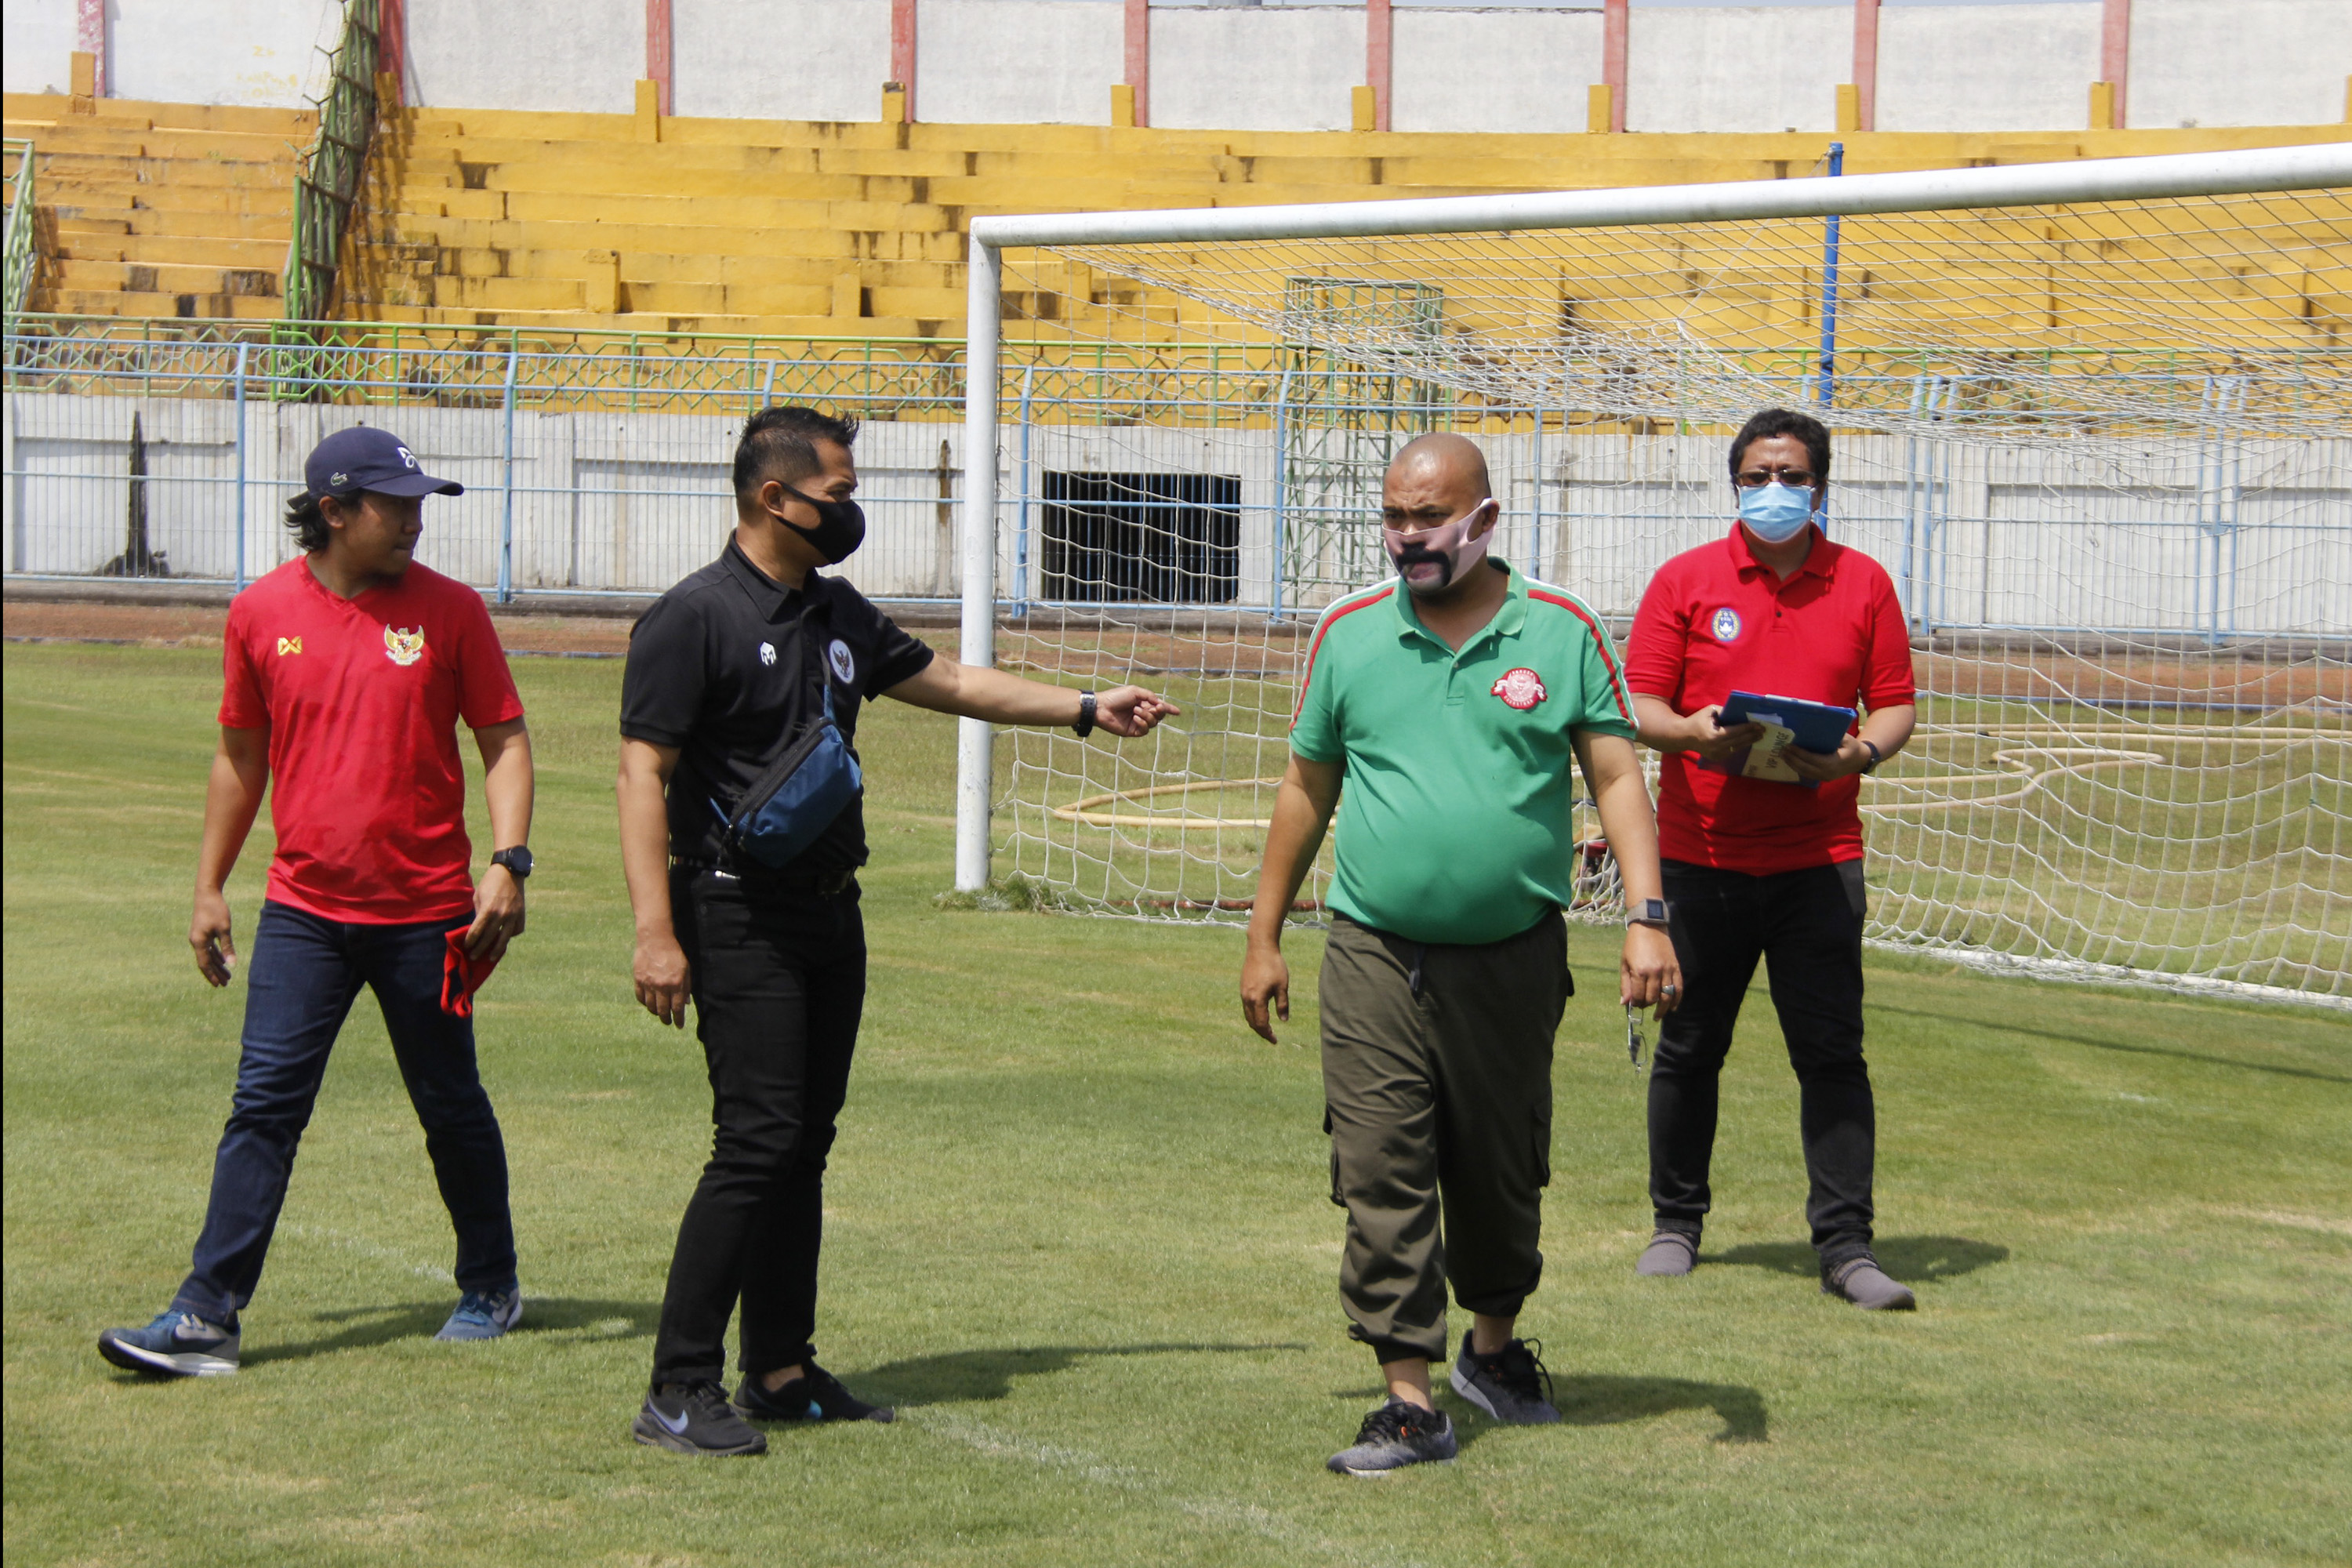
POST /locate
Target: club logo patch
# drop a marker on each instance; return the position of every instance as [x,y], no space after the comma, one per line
[406,455]
[404,648]
[1521,688]
[767,653]
[845,669]
[288,645]
[1726,625]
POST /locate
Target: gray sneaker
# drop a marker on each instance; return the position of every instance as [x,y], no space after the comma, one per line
[1396,1434]
[176,1344]
[1670,1253]
[481,1317]
[1511,1385]
[1860,1281]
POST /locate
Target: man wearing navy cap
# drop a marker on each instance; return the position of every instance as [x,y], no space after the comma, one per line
[346,672]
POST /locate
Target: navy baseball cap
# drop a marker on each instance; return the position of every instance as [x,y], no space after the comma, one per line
[364,458]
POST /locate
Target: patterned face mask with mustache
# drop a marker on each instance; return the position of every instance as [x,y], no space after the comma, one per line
[1448,547]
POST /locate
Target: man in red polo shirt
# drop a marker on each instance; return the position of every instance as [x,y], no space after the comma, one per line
[347,672]
[1756,868]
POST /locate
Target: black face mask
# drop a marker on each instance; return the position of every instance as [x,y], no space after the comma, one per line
[840,528]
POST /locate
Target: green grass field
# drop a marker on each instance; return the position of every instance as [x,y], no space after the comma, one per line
[1078,1231]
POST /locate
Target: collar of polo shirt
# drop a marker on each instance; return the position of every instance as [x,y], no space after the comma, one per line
[1510,616]
[1821,561]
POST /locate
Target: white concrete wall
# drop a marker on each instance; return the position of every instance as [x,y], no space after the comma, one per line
[775,59]
[1737,68]
[2019,66]
[2248,62]
[1018,62]
[583,56]
[1493,70]
[268,52]
[1986,68]
[1260,69]
[36,41]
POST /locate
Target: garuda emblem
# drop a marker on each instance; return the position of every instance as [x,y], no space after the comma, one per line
[404,648]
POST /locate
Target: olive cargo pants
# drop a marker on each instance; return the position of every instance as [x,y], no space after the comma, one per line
[1437,1095]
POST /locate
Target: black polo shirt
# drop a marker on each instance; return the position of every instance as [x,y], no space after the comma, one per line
[729,663]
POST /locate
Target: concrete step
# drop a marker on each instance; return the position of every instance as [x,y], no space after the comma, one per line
[200,250]
[224,200]
[165,278]
[124,302]
[144,221]
[57,109]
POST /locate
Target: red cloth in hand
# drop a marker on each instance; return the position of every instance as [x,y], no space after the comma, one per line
[462,974]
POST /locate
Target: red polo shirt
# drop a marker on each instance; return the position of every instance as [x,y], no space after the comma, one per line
[1716,620]
[361,698]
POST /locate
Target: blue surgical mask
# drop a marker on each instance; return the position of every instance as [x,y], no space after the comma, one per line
[1776,513]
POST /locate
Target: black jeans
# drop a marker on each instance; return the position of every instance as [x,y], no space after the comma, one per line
[1807,927]
[778,984]
[304,975]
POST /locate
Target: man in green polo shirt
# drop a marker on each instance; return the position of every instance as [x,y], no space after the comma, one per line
[1452,701]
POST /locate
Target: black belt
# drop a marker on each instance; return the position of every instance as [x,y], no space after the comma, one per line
[825,884]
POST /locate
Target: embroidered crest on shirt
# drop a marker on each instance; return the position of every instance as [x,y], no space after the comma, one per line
[845,669]
[1521,687]
[404,648]
[1726,625]
[767,653]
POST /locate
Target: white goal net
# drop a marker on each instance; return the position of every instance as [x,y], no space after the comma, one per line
[2095,419]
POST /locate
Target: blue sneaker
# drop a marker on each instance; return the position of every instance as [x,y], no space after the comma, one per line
[176,1344]
[481,1317]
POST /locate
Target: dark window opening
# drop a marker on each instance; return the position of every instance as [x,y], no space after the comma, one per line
[1163,538]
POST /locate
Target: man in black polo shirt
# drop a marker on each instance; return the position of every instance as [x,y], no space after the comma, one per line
[724,671]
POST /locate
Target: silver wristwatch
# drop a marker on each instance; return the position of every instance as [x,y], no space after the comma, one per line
[1650,912]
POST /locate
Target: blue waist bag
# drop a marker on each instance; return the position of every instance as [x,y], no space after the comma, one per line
[801,794]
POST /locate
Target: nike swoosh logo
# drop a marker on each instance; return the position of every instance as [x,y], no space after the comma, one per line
[677,1426]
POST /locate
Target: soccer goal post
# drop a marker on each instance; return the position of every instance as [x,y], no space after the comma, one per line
[2094,418]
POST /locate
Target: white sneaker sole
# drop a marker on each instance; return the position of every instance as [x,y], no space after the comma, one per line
[186,1363]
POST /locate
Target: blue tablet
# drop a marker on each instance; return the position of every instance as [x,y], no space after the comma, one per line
[1787,722]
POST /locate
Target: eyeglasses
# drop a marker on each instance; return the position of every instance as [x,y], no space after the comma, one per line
[1757,478]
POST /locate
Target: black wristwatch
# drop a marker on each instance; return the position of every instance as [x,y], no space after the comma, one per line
[1085,724]
[517,861]
[1871,766]
[1650,912]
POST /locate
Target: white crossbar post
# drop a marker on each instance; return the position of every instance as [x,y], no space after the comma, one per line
[974,769]
[2311,167]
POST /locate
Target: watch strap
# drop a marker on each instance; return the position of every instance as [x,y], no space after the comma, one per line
[1086,721]
[1646,913]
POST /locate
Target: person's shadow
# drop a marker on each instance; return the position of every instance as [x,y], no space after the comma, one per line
[357,1328]
[1596,1399]
[957,1376]
[1914,1259]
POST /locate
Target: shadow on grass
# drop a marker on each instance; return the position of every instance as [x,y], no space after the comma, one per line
[359,1328]
[2098,1045]
[1914,1259]
[1592,1399]
[961,1375]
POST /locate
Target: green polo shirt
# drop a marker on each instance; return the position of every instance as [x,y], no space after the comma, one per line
[1456,818]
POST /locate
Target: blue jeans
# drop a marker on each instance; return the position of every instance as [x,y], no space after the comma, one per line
[301,979]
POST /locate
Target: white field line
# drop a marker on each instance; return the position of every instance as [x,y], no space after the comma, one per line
[360,1247]
[1245,1518]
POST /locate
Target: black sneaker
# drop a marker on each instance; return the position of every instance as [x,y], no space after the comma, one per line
[1396,1434]
[695,1419]
[1510,1385]
[818,1396]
